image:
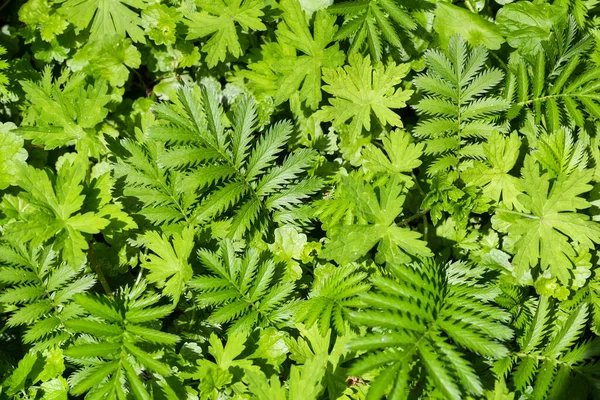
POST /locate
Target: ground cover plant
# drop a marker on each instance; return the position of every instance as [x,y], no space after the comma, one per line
[299,199]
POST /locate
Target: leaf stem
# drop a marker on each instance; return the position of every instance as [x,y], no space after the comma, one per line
[4,328]
[98,270]
[419,214]
[7,2]
[470,7]
[419,188]
[502,63]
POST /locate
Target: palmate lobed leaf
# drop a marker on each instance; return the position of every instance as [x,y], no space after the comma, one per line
[107,17]
[66,112]
[218,19]
[552,223]
[493,175]
[169,265]
[53,208]
[359,90]
[349,242]
[302,72]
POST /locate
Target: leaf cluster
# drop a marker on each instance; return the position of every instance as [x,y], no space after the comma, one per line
[299,199]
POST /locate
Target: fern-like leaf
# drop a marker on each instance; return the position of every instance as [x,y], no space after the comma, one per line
[246,292]
[235,175]
[430,316]
[115,343]
[457,104]
[3,78]
[41,291]
[552,361]
[334,291]
[558,87]
[373,22]
[155,188]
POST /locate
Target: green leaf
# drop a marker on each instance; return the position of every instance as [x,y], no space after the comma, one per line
[3,77]
[429,318]
[12,154]
[107,17]
[545,235]
[525,25]
[475,29]
[109,58]
[547,359]
[66,112]
[111,355]
[459,108]
[333,292]
[160,23]
[360,90]
[304,382]
[245,292]
[41,13]
[54,210]
[218,20]
[217,174]
[55,389]
[99,306]
[17,380]
[94,376]
[271,346]
[352,241]
[401,154]
[373,22]
[302,73]
[169,266]
[493,175]
[557,86]
[349,243]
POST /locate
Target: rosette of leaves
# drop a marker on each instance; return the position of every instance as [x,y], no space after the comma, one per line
[244,292]
[115,342]
[422,321]
[231,170]
[552,360]
[558,85]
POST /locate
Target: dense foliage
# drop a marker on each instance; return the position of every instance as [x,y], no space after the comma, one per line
[299,199]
